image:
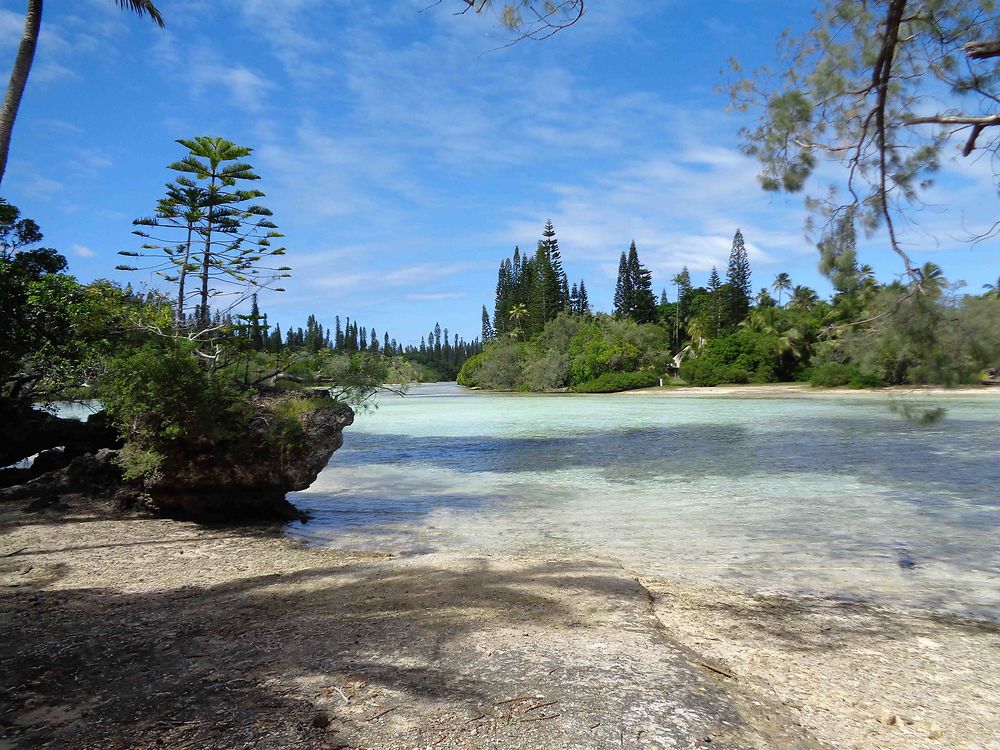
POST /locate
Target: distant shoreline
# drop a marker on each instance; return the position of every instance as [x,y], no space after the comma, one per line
[804,389]
[768,389]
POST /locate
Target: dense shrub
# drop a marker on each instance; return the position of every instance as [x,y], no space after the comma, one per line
[500,368]
[741,357]
[469,374]
[162,400]
[569,351]
[612,382]
[834,374]
[548,372]
[701,372]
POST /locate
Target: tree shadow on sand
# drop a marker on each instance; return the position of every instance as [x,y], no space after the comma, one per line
[363,654]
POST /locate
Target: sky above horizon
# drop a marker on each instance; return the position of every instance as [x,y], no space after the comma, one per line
[404,155]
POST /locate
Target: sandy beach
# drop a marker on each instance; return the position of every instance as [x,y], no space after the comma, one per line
[121,631]
[804,389]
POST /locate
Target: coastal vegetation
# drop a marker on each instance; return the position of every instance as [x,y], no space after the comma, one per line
[199,395]
[867,334]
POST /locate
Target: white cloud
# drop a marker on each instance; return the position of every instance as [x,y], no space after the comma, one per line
[82,250]
[243,87]
[11,29]
[369,281]
[436,296]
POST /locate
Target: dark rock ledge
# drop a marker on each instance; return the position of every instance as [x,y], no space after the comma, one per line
[246,481]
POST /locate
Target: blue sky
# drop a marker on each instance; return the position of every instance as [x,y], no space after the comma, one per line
[404,156]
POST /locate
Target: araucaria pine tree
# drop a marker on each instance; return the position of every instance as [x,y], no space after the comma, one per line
[634,296]
[537,284]
[583,305]
[717,303]
[487,328]
[561,294]
[644,300]
[624,300]
[225,236]
[546,297]
[738,282]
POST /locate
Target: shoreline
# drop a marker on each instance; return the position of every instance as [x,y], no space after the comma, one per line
[768,389]
[804,389]
[127,631]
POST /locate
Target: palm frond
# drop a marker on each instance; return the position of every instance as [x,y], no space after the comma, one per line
[142,8]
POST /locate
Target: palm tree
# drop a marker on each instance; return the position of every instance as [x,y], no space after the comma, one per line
[677,279]
[698,332]
[762,320]
[993,290]
[931,278]
[517,315]
[26,55]
[803,298]
[782,283]
[764,298]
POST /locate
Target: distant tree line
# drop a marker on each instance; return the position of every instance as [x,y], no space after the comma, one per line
[442,353]
[867,334]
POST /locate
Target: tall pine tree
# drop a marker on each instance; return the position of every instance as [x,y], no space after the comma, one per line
[487,328]
[717,302]
[584,303]
[624,291]
[738,289]
[643,299]
[560,290]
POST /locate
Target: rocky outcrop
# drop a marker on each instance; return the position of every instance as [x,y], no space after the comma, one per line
[26,432]
[248,480]
[95,474]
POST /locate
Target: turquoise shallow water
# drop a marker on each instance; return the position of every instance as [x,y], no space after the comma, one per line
[828,495]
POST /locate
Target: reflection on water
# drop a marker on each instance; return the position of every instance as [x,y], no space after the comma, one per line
[828,495]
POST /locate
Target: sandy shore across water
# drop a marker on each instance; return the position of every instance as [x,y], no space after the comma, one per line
[804,389]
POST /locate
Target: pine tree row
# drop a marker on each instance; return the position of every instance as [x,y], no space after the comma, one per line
[437,349]
[532,290]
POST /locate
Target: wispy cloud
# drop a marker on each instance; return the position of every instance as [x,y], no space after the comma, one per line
[242,86]
[82,251]
[436,296]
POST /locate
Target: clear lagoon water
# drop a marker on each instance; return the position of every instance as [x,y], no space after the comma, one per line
[824,495]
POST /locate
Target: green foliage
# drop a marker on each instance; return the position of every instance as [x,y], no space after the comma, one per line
[137,462]
[168,409]
[741,357]
[570,350]
[737,286]
[54,331]
[634,296]
[612,382]
[929,338]
[499,368]
[356,378]
[882,89]
[532,291]
[469,374]
[835,374]
[161,398]
[223,237]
